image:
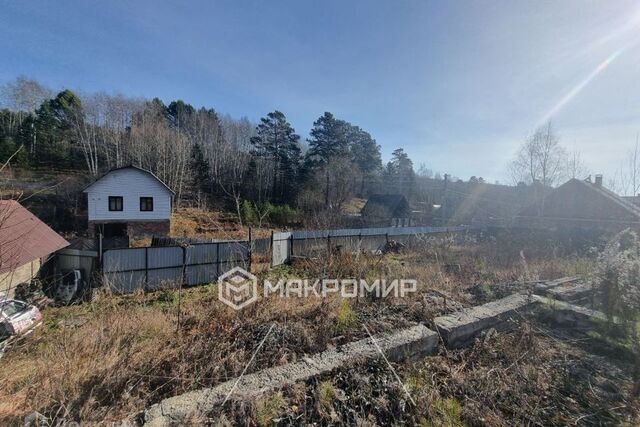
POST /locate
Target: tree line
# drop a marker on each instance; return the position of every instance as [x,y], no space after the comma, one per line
[204,156]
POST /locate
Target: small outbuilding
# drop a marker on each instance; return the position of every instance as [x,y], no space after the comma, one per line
[129,201]
[26,243]
[386,210]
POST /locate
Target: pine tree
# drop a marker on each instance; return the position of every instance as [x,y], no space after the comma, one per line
[8,148]
[277,141]
[201,169]
[329,138]
[400,173]
[365,153]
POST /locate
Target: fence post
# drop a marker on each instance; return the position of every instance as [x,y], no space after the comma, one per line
[184,265]
[182,282]
[250,249]
[217,260]
[272,246]
[290,248]
[146,268]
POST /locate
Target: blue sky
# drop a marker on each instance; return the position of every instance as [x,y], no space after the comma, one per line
[458,85]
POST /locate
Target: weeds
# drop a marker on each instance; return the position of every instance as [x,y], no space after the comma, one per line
[103,361]
[326,393]
[445,413]
[268,409]
[346,319]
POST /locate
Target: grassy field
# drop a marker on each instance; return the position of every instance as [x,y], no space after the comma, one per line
[108,359]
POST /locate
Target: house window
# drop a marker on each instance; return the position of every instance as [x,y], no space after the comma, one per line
[146,204]
[115,203]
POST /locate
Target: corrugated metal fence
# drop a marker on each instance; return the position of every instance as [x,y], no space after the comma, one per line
[150,268]
[310,242]
[126,270]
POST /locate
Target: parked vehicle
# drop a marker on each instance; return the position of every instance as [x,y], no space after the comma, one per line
[17,317]
[69,286]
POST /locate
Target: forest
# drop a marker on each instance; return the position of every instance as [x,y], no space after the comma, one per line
[206,157]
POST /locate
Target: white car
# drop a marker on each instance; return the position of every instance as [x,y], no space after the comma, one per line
[17,317]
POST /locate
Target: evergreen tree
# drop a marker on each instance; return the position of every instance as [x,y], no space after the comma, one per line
[277,141]
[365,153]
[180,115]
[329,138]
[8,148]
[53,131]
[400,173]
[201,169]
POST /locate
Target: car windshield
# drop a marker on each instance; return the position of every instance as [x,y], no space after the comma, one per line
[10,308]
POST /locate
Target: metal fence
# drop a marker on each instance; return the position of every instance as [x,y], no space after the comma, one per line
[150,268]
[126,270]
[311,242]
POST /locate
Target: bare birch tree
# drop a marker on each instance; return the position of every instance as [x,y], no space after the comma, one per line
[576,168]
[540,161]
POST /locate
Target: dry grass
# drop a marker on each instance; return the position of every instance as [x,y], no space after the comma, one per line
[194,222]
[526,377]
[106,360]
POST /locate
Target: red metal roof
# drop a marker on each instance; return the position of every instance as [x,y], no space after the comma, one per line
[23,237]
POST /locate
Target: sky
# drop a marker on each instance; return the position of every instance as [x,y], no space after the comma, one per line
[458,84]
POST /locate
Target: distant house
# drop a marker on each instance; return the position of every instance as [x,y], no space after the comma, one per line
[634,200]
[582,204]
[386,210]
[25,244]
[129,201]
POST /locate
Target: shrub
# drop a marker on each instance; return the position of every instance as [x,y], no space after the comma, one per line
[618,282]
[248,213]
[326,393]
[284,215]
[268,409]
[346,319]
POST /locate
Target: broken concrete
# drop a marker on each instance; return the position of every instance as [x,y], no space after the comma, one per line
[577,292]
[457,330]
[569,315]
[409,343]
[546,285]
[460,328]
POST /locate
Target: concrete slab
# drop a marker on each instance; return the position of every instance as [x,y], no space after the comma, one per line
[569,315]
[550,284]
[460,328]
[408,343]
[579,292]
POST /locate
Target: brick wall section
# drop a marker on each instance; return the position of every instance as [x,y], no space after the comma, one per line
[151,228]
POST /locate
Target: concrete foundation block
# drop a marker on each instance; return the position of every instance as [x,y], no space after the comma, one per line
[408,343]
[460,328]
[565,314]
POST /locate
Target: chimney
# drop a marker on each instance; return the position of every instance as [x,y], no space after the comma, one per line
[599,180]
